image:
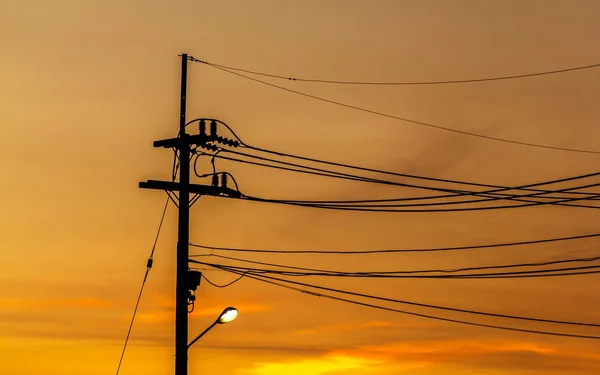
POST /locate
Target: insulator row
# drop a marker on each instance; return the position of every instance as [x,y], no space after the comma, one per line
[213,134]
[228,142]
[208,146]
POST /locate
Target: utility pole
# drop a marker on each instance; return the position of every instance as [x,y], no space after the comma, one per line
[187,280]
[183,234]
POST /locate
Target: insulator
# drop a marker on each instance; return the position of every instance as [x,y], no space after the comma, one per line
[221,139]
[224,180]
[215,180]
[149,264]
[203,127]
[236,144]
[213,128]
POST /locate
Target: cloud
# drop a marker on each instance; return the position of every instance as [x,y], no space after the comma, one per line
[54,303]
[499,354]
[319,366]
[343,327]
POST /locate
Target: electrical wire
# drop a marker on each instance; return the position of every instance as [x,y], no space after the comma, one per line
[367,209]
[422,123]
[406,272]
[583,270]
[436,307]
[496,188]
[400,83]
[455,193]
[270,281]
[224,285]
[139,297]
[409,250]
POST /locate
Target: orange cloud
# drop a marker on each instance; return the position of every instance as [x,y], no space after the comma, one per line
[25,303]
[343,327]
[319,366]
[447,351]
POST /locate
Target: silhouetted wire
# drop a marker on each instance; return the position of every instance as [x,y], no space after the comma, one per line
[224,285]
[436,307]
[270,281]
[214,170]
[382,114]
[455,193]
[400,83]
[139,297]
[360,209]
[377,251]
[404,272]
[497,188]
[374,275]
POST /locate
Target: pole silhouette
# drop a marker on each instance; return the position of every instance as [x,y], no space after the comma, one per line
[188,280]
[183,234]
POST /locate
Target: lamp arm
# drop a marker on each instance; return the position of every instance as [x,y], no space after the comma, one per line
[203,333]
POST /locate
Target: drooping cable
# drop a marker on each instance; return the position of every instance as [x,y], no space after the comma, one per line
[496,188]
[407,250]
[421,123]
[139,297]
[381,209]
[401,83]
[224,285]
[554,272]
[274,281]
[408,272]
[454,193]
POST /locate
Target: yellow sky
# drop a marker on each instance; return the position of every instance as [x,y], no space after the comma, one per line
[87,86]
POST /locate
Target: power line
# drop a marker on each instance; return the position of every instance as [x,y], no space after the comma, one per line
[582,270]
[496,188]
[269,280]
[406,272]
[408,250]
[436,307]
[422,123]
[455,193]
[367,209]
[400,83]
[139,297]
[224,285]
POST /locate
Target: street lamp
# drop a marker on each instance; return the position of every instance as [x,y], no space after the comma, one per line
[228,315]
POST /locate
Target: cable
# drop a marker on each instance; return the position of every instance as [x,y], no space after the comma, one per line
[382,114]
[500,275]
[148,267]
[496,188]
[452,270]
[400,83]
[339,206]
[237,188]
[269,280]
[411,303]
[359,208]
[455,193]
[376,251]
[225,285]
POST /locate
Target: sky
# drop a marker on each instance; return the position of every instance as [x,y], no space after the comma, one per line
[87,86]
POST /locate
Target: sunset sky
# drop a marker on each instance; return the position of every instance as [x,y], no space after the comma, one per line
[87,86]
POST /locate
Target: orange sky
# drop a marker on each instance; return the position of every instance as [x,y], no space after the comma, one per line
[86,86]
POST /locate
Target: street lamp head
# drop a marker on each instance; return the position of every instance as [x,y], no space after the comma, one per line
[228,315]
